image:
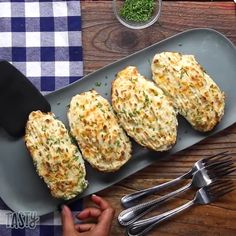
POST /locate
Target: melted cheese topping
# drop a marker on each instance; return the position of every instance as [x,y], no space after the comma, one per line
[196,96]
[102,141]
[143,110]
[57,160]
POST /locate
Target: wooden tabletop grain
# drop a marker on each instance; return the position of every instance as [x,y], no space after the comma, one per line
[105,40]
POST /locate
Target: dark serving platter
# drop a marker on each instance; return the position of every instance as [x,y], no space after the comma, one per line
[23,190]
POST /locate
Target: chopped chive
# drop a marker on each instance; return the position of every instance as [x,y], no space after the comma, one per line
[99,105]
[117,143]
[98,84]
[137,10]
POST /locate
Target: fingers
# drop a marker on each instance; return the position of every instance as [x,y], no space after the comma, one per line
[105,221]
[107,213]
[103,204]
[67,221]
[90,212]
[106,218]
[84,227]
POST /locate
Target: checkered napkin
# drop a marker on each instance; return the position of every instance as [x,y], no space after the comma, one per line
[42,38]
[14,223]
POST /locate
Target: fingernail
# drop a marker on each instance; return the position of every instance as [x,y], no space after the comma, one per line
[64,208]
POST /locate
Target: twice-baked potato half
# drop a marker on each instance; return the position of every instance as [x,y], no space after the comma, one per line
[57,160]
[93,124]
[143,110]
[195,95]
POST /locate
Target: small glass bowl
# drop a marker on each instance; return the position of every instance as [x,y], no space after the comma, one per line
[117,5]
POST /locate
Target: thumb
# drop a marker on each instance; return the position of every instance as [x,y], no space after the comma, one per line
[67,221]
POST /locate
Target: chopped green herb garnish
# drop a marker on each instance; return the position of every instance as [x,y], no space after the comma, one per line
[99,105]
[117,143]
[131,114]
[182,72]
[203,74]
[98,84]
[136,112]
[137,10]
[123,111]
[147,100]
[73,140]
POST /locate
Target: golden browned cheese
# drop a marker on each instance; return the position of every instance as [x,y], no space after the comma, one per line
[195,95]
[102,141]
[143,110]
[57,160]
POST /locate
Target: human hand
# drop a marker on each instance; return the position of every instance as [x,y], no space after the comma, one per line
[104,215]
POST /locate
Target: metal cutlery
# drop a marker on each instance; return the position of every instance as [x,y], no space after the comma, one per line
[132,199]
[202,177]
[203,196]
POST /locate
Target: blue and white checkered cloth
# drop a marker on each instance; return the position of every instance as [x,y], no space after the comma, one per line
[42,38]
[48,225]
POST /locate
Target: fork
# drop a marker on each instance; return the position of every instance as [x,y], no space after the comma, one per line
[131,199]
[203,196]
[201,178]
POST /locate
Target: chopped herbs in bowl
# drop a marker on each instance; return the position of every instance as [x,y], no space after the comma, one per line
[137,14]
[137,10]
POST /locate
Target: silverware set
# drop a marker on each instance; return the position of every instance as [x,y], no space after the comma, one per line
[206,177]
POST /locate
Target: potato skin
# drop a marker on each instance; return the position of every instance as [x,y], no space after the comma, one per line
[143,110]
[57,160]
[94,125]
[195,95]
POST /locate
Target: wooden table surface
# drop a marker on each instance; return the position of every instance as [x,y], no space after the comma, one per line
[105,40]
